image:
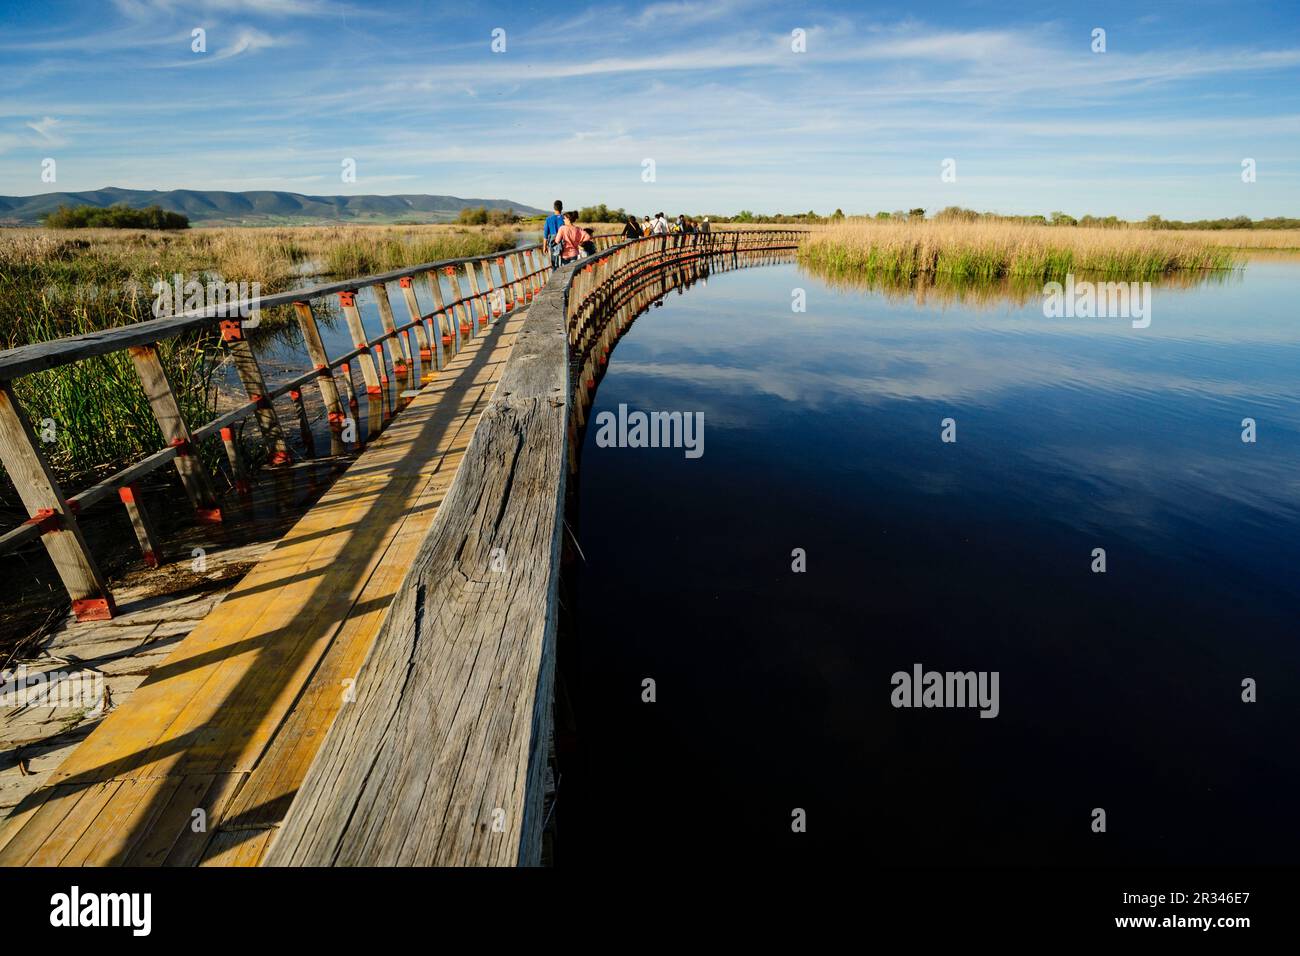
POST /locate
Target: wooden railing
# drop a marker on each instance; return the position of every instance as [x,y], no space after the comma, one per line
[54,515]
[612,288]
[441,758]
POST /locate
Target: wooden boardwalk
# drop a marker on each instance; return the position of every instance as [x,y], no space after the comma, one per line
[229,723]
[378,689]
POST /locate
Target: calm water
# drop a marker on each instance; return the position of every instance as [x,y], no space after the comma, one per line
[1119,691]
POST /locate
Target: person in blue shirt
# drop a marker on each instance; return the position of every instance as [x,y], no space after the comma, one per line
[554,222]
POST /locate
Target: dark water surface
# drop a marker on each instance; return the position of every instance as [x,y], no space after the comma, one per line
[1119,691]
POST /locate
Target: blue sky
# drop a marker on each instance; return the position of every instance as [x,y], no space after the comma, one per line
[712,92]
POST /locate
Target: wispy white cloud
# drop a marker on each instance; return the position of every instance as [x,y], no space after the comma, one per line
[45,128]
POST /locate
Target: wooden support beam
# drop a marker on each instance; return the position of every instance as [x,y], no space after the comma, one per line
[167,413]
[238,470]
[407,286]
[399,353]
[45,502]
[478,309]
[493,302]
[442,334]
[304,424]
[520,283]
[461,319]
[366,362]
[329,390]
[250,373]
[150,544]
[354,407]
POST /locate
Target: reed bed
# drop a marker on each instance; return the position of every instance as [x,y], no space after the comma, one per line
[362,250]
[992,252]
[1279,239]
[55,283]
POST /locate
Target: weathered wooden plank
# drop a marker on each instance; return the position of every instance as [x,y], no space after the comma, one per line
[439,760]
[247,697]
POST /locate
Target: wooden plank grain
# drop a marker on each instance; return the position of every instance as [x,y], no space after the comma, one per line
[439,760]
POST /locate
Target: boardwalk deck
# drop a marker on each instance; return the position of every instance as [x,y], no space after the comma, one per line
[230,722]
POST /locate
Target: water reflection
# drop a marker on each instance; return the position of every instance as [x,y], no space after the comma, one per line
[1119,690]
[941,290]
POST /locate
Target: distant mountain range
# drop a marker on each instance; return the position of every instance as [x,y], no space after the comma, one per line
[213,207]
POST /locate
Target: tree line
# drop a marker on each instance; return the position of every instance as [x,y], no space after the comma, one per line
[114,217]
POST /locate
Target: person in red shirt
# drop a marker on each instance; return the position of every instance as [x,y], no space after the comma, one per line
[571,237]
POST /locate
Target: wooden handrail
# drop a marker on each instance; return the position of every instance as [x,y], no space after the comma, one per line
[54,514]
[26,359]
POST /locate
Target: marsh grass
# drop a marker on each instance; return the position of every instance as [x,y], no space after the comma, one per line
[351,250]
[993,252]
[56,283]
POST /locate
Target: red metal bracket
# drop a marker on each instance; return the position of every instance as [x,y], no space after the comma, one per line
[450,270]
[94,609]
[232,330]
[182,446]
[46,520]
[404,282]
[347,299]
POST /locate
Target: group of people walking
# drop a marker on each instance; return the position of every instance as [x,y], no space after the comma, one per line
[659,226]
[568,241]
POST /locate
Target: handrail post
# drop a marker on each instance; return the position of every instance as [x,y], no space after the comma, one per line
[476,302]
[506,298]
[402,361]
[462,325]
[44,499]
[375,398]
[329,390]
[407,285]
[440,338]
[489,295]
[236,459]
[142,524]
[250,373]
[167,413]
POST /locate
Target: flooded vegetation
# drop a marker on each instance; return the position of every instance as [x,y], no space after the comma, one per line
[996,251]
